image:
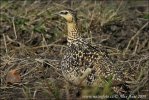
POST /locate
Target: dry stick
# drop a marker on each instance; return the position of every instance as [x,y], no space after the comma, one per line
[52,44]
[35,92]
[5,44]
[44,42]
[143,81]
[14,28]
[30,37]
[116,12]
[136,47]
[91,20]
[61,50]
[141,85]
[48,86]
[11,40]
[28,72]
[49,45]
[132,38]
[143,45]
[42,61]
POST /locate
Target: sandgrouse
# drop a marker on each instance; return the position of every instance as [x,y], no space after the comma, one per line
[82,62]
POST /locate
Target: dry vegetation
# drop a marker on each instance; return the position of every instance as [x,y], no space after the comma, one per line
[32,41]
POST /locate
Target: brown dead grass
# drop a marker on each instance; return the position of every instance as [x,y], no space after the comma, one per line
[31,41]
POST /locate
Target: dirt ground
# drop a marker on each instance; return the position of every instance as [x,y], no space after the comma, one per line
[33,41]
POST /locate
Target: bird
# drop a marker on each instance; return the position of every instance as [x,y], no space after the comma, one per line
[83,62]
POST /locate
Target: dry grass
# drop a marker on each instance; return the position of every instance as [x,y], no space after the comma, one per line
[32,42]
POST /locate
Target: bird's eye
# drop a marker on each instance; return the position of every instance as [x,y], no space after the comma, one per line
[64,13]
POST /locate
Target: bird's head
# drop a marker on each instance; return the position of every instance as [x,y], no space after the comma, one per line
[69,15]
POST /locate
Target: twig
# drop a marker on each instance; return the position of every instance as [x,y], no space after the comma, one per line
[49,45]
[5,44]
[44,42]
[133,37]
[42,61]
[29,72]
[136,47]
[141,85]
[14,28]
[35,92]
